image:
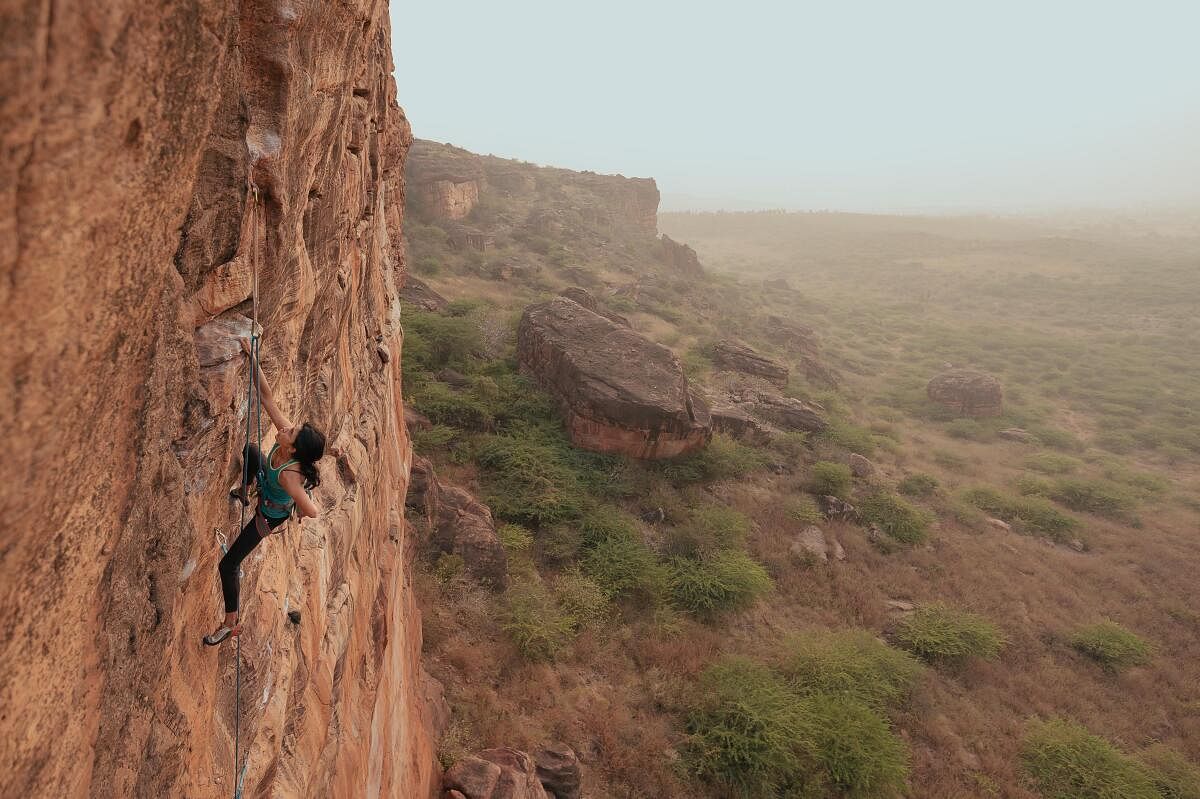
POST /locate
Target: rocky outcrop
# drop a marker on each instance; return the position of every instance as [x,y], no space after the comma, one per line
[968,392]
[130,130]
[738,357]
[417,292]
[802,342]
[585,298]
[788,413]
[552,773]
[444,181]
[465,528]
[679,256]
[559,771]
[619,391]
[734,420]
[860,466]
[495,774]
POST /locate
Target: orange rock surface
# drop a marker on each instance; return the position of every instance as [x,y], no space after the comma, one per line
[127,250]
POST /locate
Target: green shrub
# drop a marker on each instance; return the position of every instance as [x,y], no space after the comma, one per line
[534,621]
[1174,776]
[722,459]
[967,429]
[434,341]
[583,599]
[1031,513]
[721,581]
[949,460]
[617,558]
[445,406]
[938,633]
[1052,463]
[434,439]
[708,528]
[918,485]
[530,478]
[830,479]
[1116,441]
[515,538]
[857,754]
[850,663]
[1111,645]
[1091,496]
[1145,484]
[1068,762]
[793,445]
[803,508]
[850,437]
[753,737]
[746,732]
[900,520]
[1057,439]
[448,566]
[427,265]
[1029,485]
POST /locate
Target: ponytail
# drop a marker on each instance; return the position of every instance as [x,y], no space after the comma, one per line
[310,447]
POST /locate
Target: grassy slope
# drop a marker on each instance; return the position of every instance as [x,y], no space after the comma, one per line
[1078,341]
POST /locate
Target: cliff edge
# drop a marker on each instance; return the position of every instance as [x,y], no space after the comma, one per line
[128,245]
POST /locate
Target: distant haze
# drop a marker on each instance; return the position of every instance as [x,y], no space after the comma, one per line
[865,106]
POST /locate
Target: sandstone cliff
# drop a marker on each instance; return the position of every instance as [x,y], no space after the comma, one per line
[126,242]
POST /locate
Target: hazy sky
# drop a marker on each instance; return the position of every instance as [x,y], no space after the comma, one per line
[886,105]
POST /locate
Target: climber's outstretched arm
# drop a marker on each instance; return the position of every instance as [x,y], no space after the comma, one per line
[293,483]
[278,419]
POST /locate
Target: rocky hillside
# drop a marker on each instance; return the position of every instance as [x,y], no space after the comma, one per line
[128,245]
[797,504]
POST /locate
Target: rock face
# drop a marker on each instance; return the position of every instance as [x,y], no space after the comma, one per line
[679,256]
[445,181]
[734,420]
[465,527]
[130,129]
[860,466]
[968,392]
[739,357]
[619,391]
[789,413]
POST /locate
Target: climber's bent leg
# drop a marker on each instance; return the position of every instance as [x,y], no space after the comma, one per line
[246,541]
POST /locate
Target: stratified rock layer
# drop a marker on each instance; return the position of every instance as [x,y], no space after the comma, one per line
[740,357]
[968,392]
[620,392]
[129,130]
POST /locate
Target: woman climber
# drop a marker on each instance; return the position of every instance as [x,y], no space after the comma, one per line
[284,478]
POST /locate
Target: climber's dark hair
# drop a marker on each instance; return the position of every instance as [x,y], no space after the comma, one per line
[309,448]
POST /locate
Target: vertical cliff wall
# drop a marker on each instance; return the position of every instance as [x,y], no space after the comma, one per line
[127,244]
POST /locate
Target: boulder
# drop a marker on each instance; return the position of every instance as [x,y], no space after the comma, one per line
[454,378]
[495,774]
[968,392]
[587,300]
[860,466]
[415,420]
[1000,524]
[789,413]
[464,526]
[810,543]
[839,509]
[739,357]
[417,292]
[423,491]
[619,391]
[559,771]
[836,549]
[734,420]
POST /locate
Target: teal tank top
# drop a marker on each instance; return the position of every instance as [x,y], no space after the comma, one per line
[270,489]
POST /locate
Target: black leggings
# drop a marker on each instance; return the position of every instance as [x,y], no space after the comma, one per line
[247,539]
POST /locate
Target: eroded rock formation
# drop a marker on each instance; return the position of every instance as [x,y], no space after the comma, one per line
[619,391]
[740,357]
[445,181]
[553,772]
[679,256]
[968,392]
[130,131]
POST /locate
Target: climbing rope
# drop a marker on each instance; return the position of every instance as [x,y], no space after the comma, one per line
[253,413]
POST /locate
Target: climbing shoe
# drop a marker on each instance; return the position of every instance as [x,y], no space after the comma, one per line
[221,634]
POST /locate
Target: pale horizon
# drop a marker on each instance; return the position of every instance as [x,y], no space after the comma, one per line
[930,107]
